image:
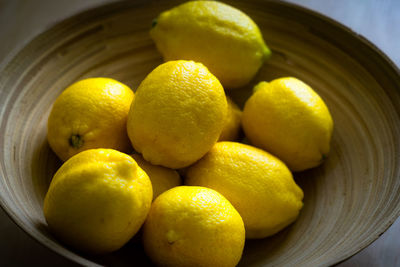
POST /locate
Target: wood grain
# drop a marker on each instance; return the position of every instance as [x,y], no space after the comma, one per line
[349,201]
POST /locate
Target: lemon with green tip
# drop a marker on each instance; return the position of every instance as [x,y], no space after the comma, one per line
[226,40]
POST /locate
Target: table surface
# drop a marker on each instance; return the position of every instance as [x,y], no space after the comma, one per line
[21,20]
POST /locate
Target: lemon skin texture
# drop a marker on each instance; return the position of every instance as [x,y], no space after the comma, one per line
[231,129]
[97,201]
[177,114]
[193,226]
[258,185]
[223,38]
[90,113]
[287,118]
[161,178]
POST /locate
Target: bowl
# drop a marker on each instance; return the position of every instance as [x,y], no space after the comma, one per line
[349,201]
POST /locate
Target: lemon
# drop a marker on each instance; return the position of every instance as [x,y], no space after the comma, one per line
[230,131]
[258,185]
[90,113]
[161,178]
[193,226]
[290,120]
[177,114]
[97,200]
[223,38]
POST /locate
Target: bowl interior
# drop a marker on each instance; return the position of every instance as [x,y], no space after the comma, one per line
[349,200]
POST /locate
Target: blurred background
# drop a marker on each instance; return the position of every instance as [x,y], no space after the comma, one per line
[21,20]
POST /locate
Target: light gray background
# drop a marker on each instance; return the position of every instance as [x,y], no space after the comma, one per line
[21,20]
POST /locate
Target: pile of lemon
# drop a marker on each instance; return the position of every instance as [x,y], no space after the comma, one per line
[184,129]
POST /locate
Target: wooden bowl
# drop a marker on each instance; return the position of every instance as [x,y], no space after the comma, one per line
[349,201]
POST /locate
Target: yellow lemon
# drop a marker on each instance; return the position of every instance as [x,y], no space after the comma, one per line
[193,226]
[230,131]
[288,119]
[258,185]
[177,114]
[97,200]
[90,113]
[223,38]
[161,178]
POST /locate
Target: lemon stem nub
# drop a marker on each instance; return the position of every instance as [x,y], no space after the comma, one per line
[76,141]
[154,23]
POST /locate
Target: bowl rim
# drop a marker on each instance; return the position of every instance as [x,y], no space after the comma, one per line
[91,13]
